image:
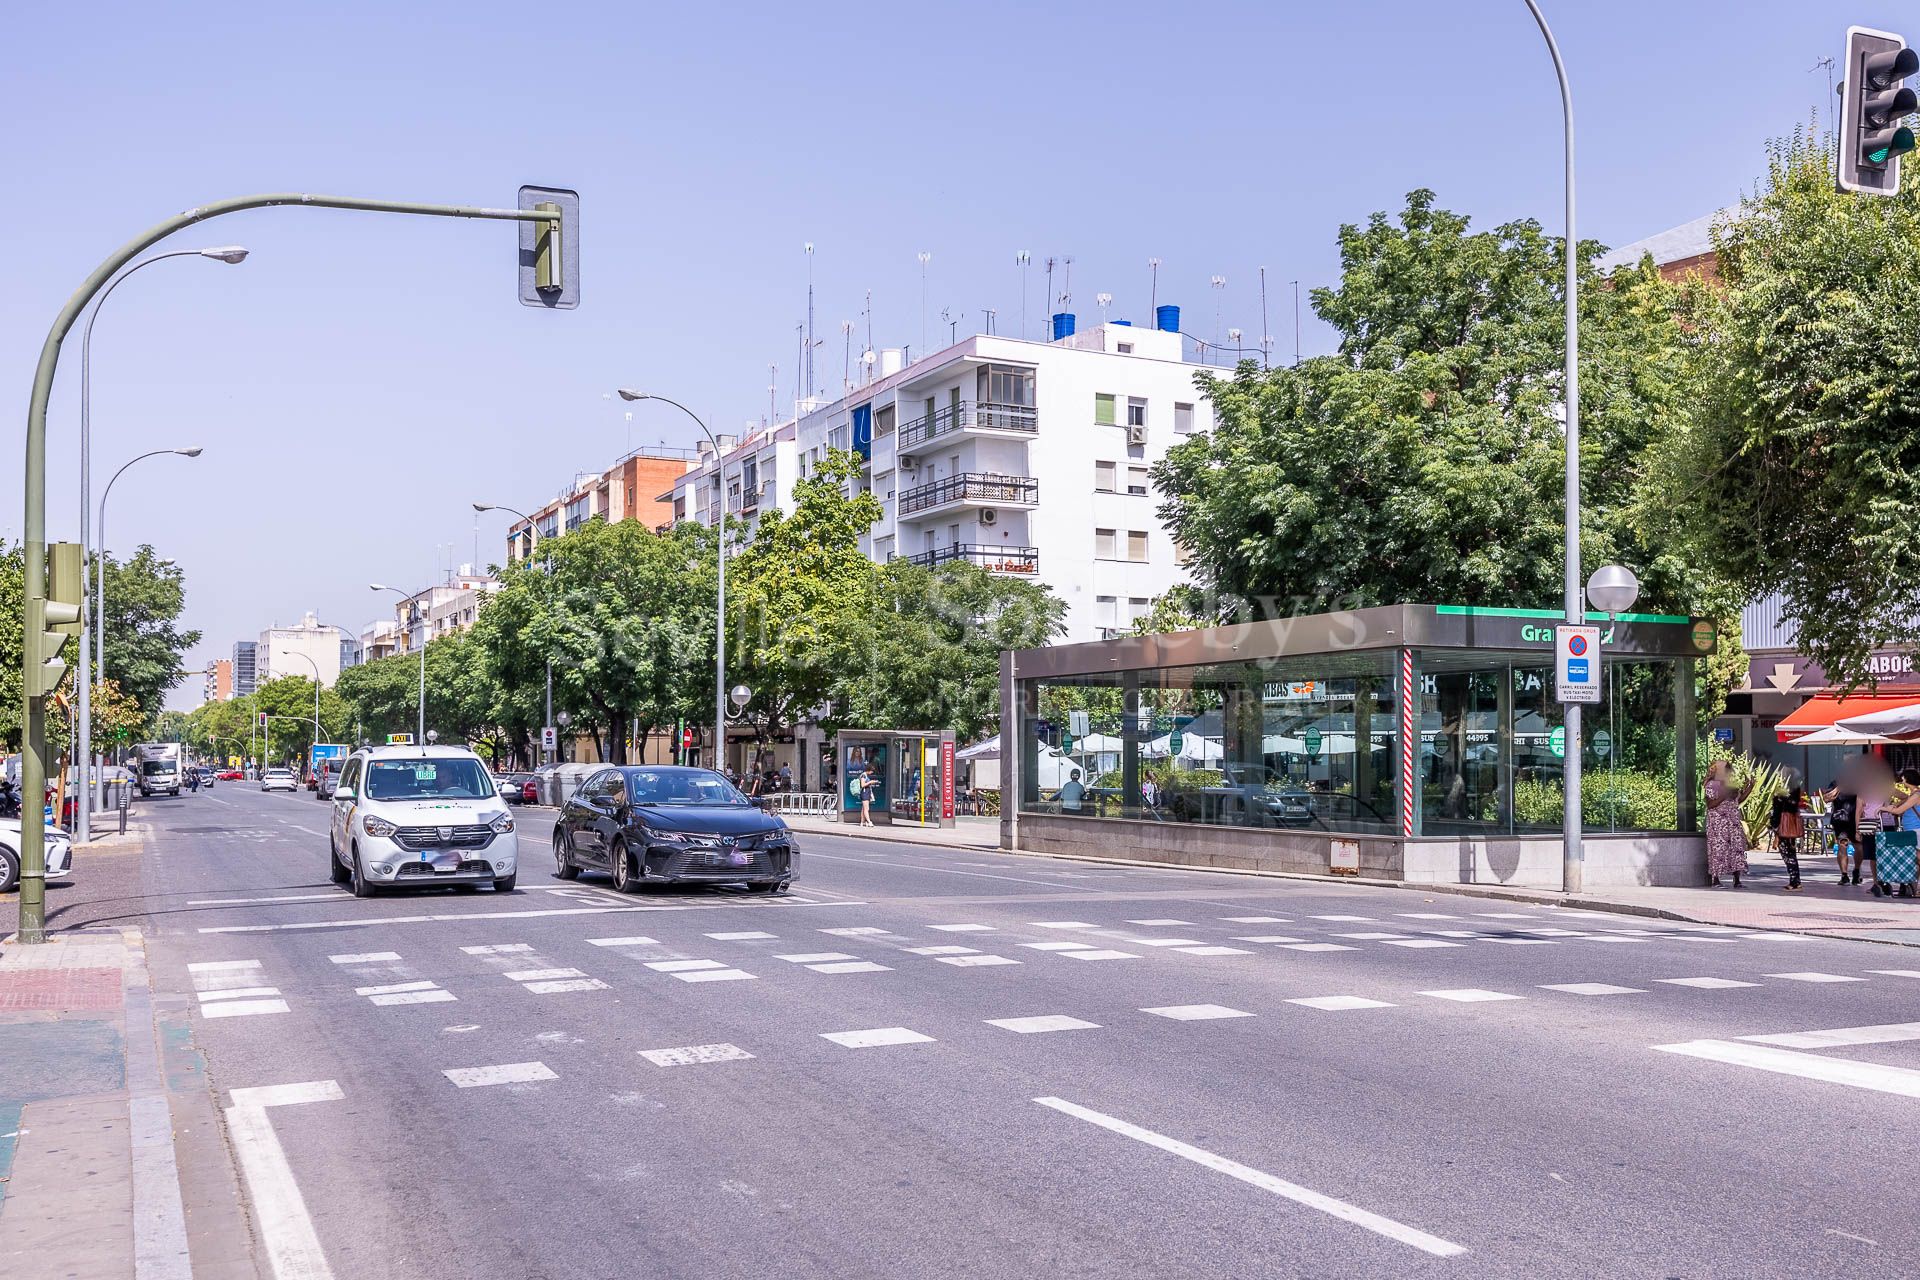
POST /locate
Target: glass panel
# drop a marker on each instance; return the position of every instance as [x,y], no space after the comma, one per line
[1103,409]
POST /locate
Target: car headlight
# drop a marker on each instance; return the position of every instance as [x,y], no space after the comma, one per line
[681,837]
[379,828]
[502,824]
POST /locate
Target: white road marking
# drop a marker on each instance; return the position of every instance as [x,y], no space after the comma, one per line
[1592,989]
[1372,937]
[392,987]
[286,1230]
[740,937]
[1815,977]
[1100,955]
[1884,1033]
[713,975]
[308,830]
[1213,951]
[1426,915]
[875,1038]
[248,902]
[695,1053]
[850,966]
[1508,915]
[1162,942]
[565,984]
[505,1073]
[1255,919]
[1557,933]
[675,966]
[1457,933]
[218,966]
[498,949]
[1610,937]
[1525,942]
[860,931]
[1337,1003]
[963,928]
[1356,919]
[1267,937]
[1897,973]
[976,961]
[238,993]
[1063,924]
[1161,923]
[624,942]
[943,951]
[1044,1022]
[1373,1222]
[1318,946]
[427,994]
[1774,937]
[1810,1066]
[1705,984]
[365,957]
[450,918]
[1422,942]
[1196,1012]
[242,1008]
[1470,995]
[547,975]
[816,957]
[1056,946]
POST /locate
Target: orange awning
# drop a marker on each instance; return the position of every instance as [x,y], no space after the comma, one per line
[1824,709]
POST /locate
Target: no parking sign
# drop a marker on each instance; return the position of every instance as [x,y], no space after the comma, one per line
[1576,664]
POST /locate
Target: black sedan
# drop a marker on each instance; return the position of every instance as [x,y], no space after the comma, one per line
[670,825]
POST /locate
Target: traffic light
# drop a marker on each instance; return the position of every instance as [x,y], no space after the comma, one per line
[550,251]
[59,616]
[1874,101]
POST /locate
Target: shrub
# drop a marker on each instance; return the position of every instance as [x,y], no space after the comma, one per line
[1623,799]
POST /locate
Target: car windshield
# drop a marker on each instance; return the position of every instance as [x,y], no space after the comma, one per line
[682,787]
[156,766]
[448,779]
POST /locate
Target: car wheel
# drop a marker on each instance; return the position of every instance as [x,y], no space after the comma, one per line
[563,856]
[9,870]
[336,871]
[505,883]
[362,887]
[768,889]
[624,878]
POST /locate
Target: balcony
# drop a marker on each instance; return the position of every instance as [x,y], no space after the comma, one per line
[1019,560]
[1016,419]
[971,488]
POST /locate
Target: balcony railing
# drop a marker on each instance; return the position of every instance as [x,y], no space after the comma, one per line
[992,558]
[967,415]
[972,486]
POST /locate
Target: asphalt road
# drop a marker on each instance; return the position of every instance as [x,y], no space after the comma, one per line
[1061,1070]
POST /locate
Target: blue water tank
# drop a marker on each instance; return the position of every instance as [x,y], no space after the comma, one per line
[1062,325]
[1167,318]
[1127,323]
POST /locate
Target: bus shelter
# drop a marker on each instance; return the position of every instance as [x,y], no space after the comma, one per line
[914,770]
[1410,742]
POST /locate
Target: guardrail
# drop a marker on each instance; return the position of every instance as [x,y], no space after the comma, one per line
[811,804]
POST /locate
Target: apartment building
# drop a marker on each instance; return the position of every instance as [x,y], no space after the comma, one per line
[312,649]
[379,639]
[630,489]
[245,671]
[219,686]
[1027,458]
[440,610]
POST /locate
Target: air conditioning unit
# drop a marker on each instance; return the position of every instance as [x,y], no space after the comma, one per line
[1136,435]
[989,516]
[908,462]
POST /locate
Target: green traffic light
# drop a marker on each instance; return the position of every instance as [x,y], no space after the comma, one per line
[1896,143]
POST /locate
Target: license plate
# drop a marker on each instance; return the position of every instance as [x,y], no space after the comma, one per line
[739,858]
[443,862]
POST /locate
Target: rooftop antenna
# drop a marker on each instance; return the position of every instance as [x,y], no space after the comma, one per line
[1266,338]
[1023,260]
[846,356]
[629,431]
[1050,284]
[1826,62]
[925,258]
[953,324]
[1066,282]
[868,313]
[991,313]
[773,389]
[1153,293]
[1105,300]
[1296,322]
[1219,284]
[806,357]
[809,318]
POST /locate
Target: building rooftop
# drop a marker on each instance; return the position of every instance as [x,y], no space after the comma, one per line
[1675,244]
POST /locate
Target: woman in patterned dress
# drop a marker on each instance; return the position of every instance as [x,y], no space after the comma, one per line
[1726,832]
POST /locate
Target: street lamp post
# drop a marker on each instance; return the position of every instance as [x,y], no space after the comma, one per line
[84,801]
[294,653]
[1572,855]
[720,613]
[422,739]
[100,631]
[533,533]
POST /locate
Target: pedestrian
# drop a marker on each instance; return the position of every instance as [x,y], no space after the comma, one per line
[786,777]
[1788,827]
[1726,833]
[1072,794]
[1150,792]
[1894,872]
[868,784]
[1842,806]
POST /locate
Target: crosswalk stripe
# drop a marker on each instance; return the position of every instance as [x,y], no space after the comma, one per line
[1810,1066]
[1884,1033]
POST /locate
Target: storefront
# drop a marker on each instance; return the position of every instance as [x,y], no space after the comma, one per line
[907,774]
[1414,742]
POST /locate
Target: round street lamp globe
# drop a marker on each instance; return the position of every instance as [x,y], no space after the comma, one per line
[1613,589]
[741,696]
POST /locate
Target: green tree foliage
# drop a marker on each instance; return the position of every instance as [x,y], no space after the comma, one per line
[289,701]
[1424,460]
[381,697]
[1801,474]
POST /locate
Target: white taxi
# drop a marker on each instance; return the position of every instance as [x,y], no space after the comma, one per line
[408,816]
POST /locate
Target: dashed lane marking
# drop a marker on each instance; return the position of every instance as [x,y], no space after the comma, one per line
[694,1054]
[1269,937]
[875,1038]
[406,993]
[1255,919]
[1317,946]
[1592,989]
[1213,951]
[850,966]
[365,957]
[505,1073]
[1353,919]
[1705,984]
[1056,946]
[942,951]
[1196,1012]
[1334,1004]
[967,962]
[1422,942]
[1063,924]
[1162,923]
[1897,973]
[1900,1081]
[1471,995]
[1162,942]
[963,928]
[859,931]
[1373,937]
[817,957]
[499,949]
[1043,1022]
[1884,1033]
[624,942]
[1340,1209]
[753,936]
[1815,977]
[1100,955]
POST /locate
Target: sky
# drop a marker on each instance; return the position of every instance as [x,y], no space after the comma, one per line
[362,379]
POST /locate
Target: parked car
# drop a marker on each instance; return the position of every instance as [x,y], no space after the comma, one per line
[230,775]
[420,816]
[205,774]
[278,780]
[59,854]
[671,824]
[518,788]
[328,778]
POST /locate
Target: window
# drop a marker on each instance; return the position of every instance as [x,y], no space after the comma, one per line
[953,401]
[1137,481]
[1103,477]
[882,424]
[1105,546]
[997,384]
[1103,410]
[1138,607]
[1106,611]
[1136,411]
[447,778]
[1183,419]
[1126,348]
[1137,546]
[1180,555]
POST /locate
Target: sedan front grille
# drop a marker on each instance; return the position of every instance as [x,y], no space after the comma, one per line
[718,863]
[476,835]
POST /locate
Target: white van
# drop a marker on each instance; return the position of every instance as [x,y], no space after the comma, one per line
[420,816]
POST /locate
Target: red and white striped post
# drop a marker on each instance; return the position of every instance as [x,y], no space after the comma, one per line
[1409,738]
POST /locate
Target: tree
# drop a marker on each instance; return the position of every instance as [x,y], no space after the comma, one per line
[288,702]
[1801,473]
[1424,460]
[380,697]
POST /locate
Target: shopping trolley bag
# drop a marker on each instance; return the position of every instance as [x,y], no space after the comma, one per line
[1894,858]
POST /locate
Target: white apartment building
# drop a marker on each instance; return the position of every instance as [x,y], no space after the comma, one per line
[379,639]
[310,649]
[440,610]
[1027,458]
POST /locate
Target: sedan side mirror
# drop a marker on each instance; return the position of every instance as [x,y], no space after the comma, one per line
[343,793]
[761,802]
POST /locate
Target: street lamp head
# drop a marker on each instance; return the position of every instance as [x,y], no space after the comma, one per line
[628,393]
[375,586]
[232,253]
[740,696]
[483,506]
[1612,589]
[193,452]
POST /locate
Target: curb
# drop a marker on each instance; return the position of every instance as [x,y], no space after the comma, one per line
[1535,897]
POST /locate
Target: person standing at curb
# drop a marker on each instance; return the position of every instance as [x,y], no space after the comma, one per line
[1726,834]
[868,785]
[1842,807]
[1788,827]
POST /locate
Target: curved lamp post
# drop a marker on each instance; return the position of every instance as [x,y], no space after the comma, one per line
[227,253]
[720,613]
[375,586]
[533,534]
[295,653]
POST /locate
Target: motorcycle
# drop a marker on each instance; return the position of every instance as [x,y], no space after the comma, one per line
[9,799]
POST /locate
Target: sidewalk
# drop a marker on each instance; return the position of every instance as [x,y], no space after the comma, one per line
[1822,907]
[103,1102]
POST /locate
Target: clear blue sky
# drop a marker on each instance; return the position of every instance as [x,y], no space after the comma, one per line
[362,379]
